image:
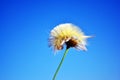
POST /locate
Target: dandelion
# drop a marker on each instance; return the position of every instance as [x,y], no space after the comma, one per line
[69,35]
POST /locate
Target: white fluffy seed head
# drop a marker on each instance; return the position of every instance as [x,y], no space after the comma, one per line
[67,34]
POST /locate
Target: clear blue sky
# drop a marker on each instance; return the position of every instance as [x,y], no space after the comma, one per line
[24,32]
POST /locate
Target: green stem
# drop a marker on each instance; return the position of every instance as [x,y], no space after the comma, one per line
[65,53]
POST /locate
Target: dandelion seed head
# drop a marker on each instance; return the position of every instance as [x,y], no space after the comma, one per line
[69,35]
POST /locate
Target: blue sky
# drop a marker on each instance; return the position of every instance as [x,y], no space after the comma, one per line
[24,32]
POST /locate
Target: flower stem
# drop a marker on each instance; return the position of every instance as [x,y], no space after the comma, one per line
[65,53]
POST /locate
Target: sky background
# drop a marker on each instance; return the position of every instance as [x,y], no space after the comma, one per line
[24,33]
